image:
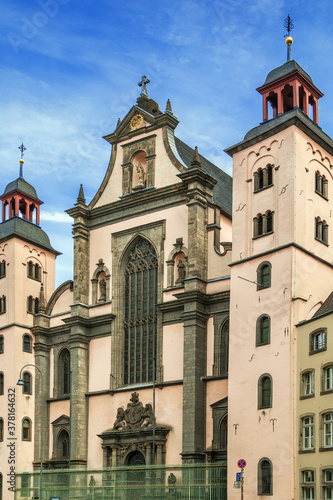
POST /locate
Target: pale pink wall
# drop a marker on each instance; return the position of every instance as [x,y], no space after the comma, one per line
[56,410]
[173,347]
[165,171]
[63,303]
[99,364]
[216,390]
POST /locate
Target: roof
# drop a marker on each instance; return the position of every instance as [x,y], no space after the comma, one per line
[21,228]
[284,70]
[326,307]
[21,185]
[222,192]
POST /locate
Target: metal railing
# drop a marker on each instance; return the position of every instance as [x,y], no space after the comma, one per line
[172,482]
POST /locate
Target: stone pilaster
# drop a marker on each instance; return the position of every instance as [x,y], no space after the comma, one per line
[79,345]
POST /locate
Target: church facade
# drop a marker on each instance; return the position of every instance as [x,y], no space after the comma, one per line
[176,340]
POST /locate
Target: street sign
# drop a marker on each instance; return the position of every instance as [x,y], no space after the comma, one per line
[237,484]
[241,463]
[238,476]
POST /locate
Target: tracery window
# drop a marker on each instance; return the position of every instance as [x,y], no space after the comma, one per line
[63,444]
[140,313]
[64,372]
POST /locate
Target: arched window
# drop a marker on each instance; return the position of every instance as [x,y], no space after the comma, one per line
[2,344]
[327,381]
[264,275]
[26,429]
[34,271]
[321,184]
[26,343]
[32,305]
[263,330]
[321,230]
[263,178]
[140,313]
[265,391]
[2,269]
[2,381]
[2,304]
[265,477]
[224,432]
[27,379]
[63,444]
[328,430]
[327,483]
[64,372]
[1,429]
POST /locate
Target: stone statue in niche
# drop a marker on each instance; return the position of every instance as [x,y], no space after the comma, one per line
[141,173]
[135,416]
[181,271]
[102,290]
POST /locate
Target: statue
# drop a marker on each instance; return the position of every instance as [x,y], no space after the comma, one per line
[140,171]
[181,271]
[102,290]
[119,422]
[149,415]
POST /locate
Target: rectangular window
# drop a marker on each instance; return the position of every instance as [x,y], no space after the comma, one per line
[317,341]
[307,433]
[308,384]
[328,430]
[328,484]
[328,378]
[308,489]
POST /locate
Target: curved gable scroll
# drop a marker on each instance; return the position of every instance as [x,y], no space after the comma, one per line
[67,285]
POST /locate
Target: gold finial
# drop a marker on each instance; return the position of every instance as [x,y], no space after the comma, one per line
[288,24]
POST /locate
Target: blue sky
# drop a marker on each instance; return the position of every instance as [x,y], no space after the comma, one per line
[69,70]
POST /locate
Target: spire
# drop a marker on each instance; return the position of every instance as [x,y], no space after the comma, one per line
[42,304]
[118,122]
[81,198]
[196,163]
[22,148]
[288,24]
[168,106]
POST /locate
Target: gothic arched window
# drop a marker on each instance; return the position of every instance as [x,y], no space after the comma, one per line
[140,313]
[63,444]
[64,372]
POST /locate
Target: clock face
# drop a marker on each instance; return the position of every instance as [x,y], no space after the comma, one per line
[136,121]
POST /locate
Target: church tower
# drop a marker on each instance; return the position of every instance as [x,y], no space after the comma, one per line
[280,273]
[27,275]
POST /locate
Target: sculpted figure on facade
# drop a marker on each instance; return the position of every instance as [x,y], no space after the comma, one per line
[135,416]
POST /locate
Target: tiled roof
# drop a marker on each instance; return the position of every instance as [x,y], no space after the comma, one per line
[21,185]
[326,307]
[222,192]
[21,228]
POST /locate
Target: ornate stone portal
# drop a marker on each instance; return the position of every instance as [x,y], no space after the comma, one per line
[132,432]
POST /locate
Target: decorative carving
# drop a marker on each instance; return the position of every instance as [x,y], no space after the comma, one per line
[135,416]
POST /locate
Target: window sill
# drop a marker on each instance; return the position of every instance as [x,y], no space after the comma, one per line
[261,235]
[262,343]
[307,396]
[321,195]
[321,241]
[312,450]
[329,391]
[326,448]
[262,189]
[35,279]
[317,351]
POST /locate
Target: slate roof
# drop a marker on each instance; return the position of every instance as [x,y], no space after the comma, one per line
[23,186]
[284,70]
[25,230]
[222,192]
[326,307]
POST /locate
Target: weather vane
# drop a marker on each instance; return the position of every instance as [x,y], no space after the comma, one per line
[22,148]
[289,25]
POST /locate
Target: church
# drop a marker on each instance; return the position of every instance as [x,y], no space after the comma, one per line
[177,340]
